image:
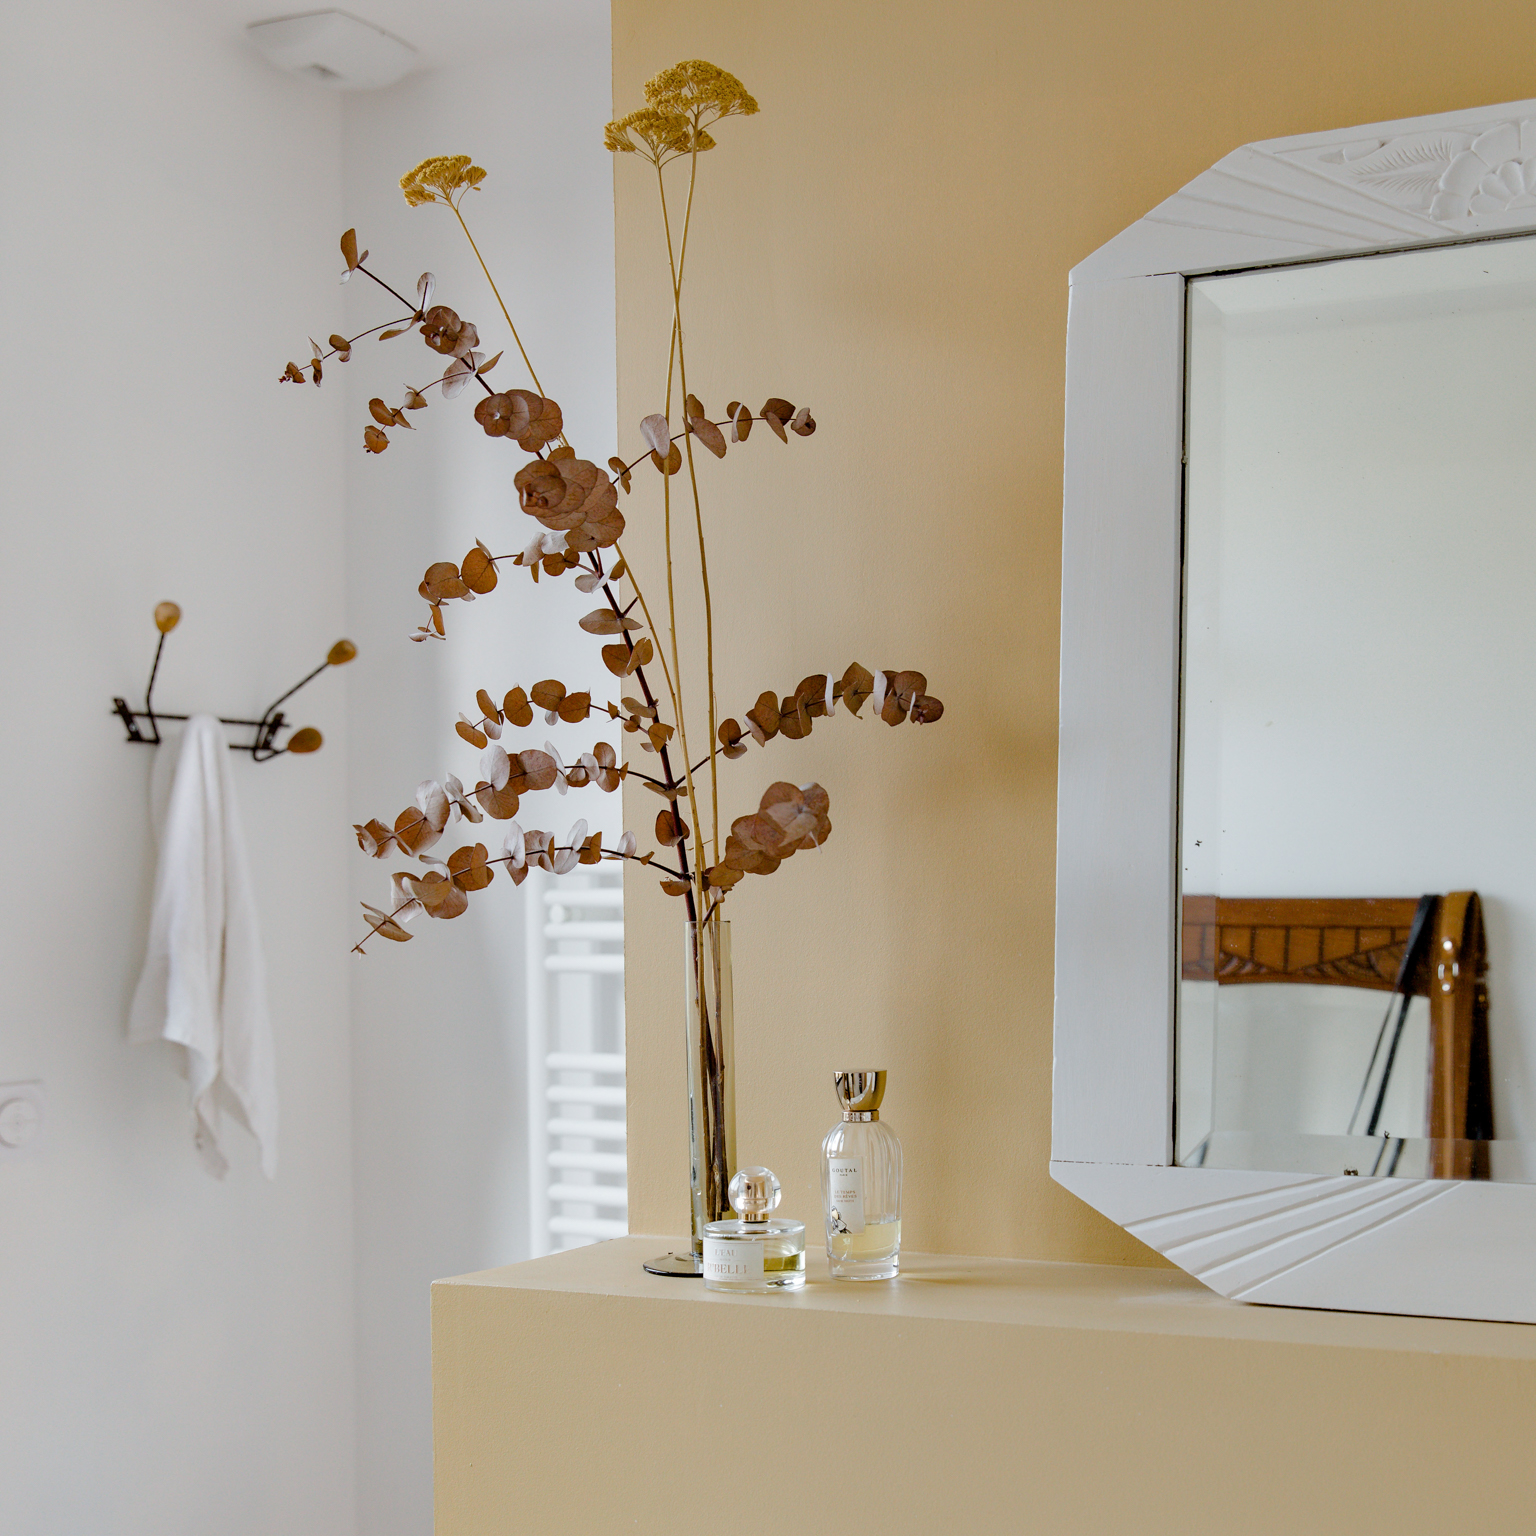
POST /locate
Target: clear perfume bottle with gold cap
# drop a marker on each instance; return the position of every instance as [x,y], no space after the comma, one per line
[759,1251]
[861,1183]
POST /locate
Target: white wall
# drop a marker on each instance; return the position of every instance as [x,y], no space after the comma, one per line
[176,1354]
[439,1096]
[179,1355]
[1360,707]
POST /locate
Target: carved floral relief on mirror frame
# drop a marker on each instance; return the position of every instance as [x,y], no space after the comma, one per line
[1447,1239]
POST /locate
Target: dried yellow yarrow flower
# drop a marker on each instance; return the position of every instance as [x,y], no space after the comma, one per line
[681,101]
[438,178]
[661,135]
[697,86]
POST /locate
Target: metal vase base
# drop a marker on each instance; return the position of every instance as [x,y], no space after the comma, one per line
[676,1266]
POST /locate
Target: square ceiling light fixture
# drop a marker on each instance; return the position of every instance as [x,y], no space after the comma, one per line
[334,48]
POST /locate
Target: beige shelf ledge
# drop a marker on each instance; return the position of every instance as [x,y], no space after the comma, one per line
[578,1393]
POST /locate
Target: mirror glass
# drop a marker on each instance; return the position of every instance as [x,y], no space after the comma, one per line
[1357,986]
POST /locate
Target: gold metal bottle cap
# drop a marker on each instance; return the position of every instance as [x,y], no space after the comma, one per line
[860,1094]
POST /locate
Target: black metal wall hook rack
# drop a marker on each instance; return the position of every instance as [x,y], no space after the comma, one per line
[263,745]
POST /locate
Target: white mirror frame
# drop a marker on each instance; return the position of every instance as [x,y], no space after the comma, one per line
[1437,1247]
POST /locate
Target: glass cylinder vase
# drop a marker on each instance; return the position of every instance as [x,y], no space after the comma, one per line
[710,1034]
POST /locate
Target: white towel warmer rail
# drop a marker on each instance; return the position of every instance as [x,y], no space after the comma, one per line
[575,980]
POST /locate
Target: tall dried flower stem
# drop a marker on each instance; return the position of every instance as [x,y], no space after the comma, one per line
[715,1164]
[666,507]
[499,300]
[718,1167]
[693,480]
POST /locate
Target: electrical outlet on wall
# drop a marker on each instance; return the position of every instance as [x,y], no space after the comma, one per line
[21,1118]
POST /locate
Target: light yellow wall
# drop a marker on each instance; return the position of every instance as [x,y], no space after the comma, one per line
[888,242]
[980,1398]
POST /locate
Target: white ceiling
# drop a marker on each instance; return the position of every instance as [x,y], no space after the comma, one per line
[442,31]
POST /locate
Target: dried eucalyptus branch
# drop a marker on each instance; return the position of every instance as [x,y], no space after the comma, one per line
[576,505]
[470,868]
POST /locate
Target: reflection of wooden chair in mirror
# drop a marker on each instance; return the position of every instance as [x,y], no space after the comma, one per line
[1349,942]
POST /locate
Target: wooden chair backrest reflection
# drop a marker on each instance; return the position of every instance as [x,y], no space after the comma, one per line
[1360,942]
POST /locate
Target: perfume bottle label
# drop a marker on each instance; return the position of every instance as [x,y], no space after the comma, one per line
[846,1187]
[725,1260]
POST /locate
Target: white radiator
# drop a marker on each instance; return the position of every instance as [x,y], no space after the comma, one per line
[575,978]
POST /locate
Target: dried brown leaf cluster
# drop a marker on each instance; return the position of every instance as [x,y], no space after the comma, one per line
[444,891]
[663,442]
[445,582]
[787,819]
[527,419]
[505,777]
[517,707]
[442,330]
[571,496]
[897,696]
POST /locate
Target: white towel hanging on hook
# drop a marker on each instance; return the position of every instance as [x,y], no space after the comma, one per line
[203,985]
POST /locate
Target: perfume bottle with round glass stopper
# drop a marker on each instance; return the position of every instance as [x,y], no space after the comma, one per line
[861,1183]
[759,1251]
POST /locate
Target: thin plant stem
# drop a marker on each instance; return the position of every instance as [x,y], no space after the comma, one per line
[714,1062]
[385,286]
[661,654]
[445,378]
[666,493]
[383,325]
[698,513]
[711,1067]
[662,752]
[494,289]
